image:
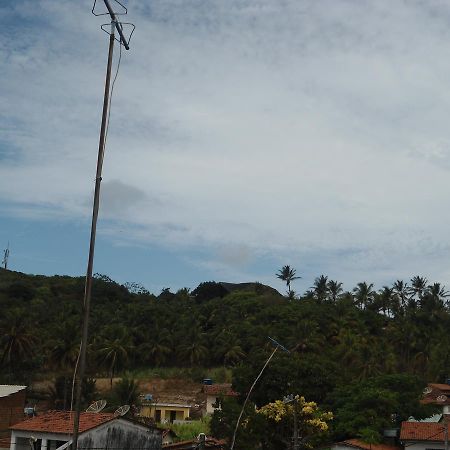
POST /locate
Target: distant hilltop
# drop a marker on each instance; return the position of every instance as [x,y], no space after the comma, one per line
[249,287]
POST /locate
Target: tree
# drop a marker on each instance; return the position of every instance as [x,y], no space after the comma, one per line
[287,274]
[335,290]
[303,418]
[363,294]
[125,392]
[320,288]
[115,352]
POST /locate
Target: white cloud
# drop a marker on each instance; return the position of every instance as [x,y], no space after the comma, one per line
[313,129]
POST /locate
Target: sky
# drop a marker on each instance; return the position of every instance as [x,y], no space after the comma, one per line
[244,135]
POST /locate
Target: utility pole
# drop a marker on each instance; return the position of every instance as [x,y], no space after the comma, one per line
[5,257]
[277,346]
[81,367]
[295,439]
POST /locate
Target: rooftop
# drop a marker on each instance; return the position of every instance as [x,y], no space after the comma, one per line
[357,443]
[8,389]
[219,389]
[422,431]
[62,422]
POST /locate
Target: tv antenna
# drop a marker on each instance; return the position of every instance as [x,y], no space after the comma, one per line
[5,257]
[96,406]
[115,25]
[122,410]
[441,398]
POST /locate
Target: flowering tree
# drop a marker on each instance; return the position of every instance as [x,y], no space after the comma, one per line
[303,421]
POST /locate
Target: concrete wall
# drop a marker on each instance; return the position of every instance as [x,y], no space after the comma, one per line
[123,435]
[11,412]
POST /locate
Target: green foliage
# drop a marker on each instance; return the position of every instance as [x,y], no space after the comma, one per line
[191,429]
[364,408]
[209,290]
[337,340]
[125,392]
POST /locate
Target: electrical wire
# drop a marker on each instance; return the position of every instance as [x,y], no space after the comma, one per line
[111,95]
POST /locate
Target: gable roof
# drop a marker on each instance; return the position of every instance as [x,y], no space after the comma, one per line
[357,443]
[62,422]
[8,389]
[422,431]
[219,389]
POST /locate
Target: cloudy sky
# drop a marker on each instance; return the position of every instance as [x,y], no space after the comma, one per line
[244,135]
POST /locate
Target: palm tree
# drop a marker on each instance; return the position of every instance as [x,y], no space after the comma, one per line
[17,341]
[402,291]
[334,290]
[363,293]
[115,354]
[320,288]
[287,274]
[418,286]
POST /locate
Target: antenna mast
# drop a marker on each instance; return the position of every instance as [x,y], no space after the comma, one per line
[5,257]
[81,368]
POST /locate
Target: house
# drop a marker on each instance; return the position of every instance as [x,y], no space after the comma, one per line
[163,412]
[437,393]
[208,443]
[357,444]
[12,404]
[214,392]
[424,435]
[53,430]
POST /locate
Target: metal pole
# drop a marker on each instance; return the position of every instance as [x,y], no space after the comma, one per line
[248,395]
[88,284]
[296,446]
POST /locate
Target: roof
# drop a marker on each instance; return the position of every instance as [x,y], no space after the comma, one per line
[357,443]
[168,405]
[219,389]
[422,431]
[61,422]
[209,443]
[440,386]
[8,389]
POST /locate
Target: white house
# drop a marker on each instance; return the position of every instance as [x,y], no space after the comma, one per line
[53,431]
[424,435]
[214,392]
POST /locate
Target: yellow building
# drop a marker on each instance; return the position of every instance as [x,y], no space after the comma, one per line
[165,412]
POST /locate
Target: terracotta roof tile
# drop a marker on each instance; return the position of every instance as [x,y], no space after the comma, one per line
[422,431]
[365,446]
[219,389]
[62,422]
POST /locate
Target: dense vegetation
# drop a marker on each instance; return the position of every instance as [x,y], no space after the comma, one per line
[347,348]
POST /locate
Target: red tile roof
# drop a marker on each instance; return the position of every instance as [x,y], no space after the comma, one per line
[62,422]
[440,386]
[357,443]
[219,389]
[422,431]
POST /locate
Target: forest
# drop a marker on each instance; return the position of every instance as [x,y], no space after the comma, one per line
[365,354]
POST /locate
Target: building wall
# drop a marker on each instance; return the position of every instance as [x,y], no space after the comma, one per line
[210,401]
[117,434]
[123,435]
[11,412]
[425,445]
[165,412]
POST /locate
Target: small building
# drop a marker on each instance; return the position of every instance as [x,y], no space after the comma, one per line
[53,430]
[423,435]
[163,412]
[209,442]
[214,392]
[358,444]
[12,404]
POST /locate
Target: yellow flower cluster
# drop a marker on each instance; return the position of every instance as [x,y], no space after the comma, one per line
[307,413]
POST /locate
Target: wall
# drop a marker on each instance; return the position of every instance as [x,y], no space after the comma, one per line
[123,435]
[11,412]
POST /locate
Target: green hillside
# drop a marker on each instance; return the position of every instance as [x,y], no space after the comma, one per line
[343,345]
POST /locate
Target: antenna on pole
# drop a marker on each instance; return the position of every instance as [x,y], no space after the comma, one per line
[81,366]
[5,257]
